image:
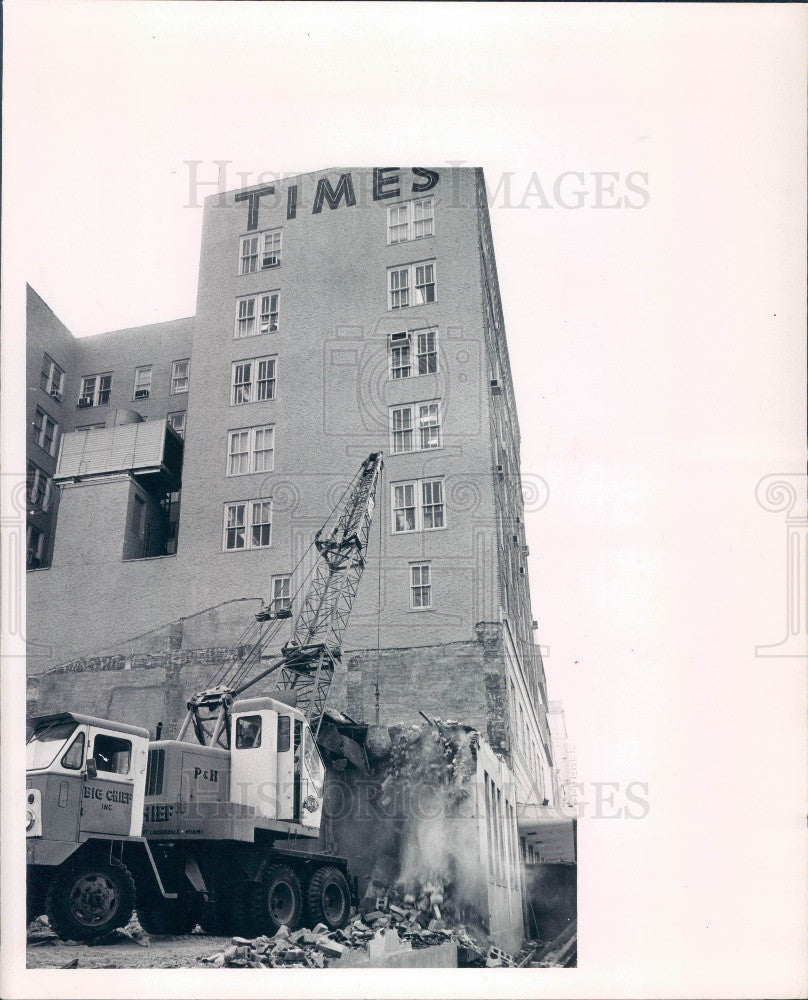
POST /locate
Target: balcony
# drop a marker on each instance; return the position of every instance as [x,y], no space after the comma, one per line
[149,450]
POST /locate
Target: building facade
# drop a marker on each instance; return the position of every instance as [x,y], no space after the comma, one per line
[338,313]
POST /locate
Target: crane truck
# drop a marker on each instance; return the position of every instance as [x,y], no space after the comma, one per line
[205,831]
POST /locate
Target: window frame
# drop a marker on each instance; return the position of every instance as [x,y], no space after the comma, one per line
[178,413]
[285,579]
[40,435]
[260,254]
[411,287]
[421,565]
[97,391]
[256,299]
[174,391]
[395,508]
[418,504]
[253,382]
[410,220]
[412,343]
[248,525]
[148,369]
[416,427]
[35,476]
[47,380]
[35,561]
[251,450]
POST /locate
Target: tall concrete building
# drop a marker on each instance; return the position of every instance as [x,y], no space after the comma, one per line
[178,471]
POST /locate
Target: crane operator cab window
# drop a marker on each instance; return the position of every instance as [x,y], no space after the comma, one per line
[112,754]
[248,732]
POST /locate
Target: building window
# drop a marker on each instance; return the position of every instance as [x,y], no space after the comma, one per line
[432,506]
[411,221]
[91,427]
[401,353]
[52,379]
[46,431]
[281,594]
[406,420]
[143,382]
[176,421]
[420,278]
[35,547]
[402,429]
[180,376]
[257,314]
[95,390]
[253,380]
[247,525]
[418,506]
[263,248]
[420,586]
[39,487]
[427,351]
[403,507]
[250,449]
[398,287]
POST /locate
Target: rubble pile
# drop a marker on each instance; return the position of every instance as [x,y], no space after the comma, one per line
[409,914]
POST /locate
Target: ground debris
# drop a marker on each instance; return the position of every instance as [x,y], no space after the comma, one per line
[393,925]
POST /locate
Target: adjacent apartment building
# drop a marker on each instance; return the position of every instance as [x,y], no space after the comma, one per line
[178,471]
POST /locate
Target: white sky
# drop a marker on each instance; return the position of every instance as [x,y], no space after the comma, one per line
[658,357]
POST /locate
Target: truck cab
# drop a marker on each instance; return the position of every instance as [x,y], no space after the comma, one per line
[85,778]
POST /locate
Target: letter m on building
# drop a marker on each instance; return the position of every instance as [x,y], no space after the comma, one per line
[325,192]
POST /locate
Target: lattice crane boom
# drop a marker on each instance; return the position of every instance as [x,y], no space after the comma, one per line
[308,660]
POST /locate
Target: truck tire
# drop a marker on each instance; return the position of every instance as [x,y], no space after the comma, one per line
[90,898]
[276,900]
[328,898]
[168,916]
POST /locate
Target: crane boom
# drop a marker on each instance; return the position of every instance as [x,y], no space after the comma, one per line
[308,660]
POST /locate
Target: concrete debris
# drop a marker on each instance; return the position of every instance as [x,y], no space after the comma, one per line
[392,927]
[561,952]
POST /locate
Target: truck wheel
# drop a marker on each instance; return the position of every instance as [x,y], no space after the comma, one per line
[328,898]
[168,916]
[91,898]
[276,900]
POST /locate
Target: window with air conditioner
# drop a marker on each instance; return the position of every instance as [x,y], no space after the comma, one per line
[260,251]
[95,390]
[143,380]
[52,379]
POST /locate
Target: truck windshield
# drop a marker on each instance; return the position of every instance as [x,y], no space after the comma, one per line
[46,743]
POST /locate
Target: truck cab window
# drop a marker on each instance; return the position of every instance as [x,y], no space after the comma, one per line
[248,732]
[112,754]
[73,757]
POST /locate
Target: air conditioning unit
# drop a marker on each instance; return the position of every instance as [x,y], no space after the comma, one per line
[496,388]
[141,394]
[85,401]
[271,260]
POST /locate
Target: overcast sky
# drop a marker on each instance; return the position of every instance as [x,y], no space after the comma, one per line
[657,350]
